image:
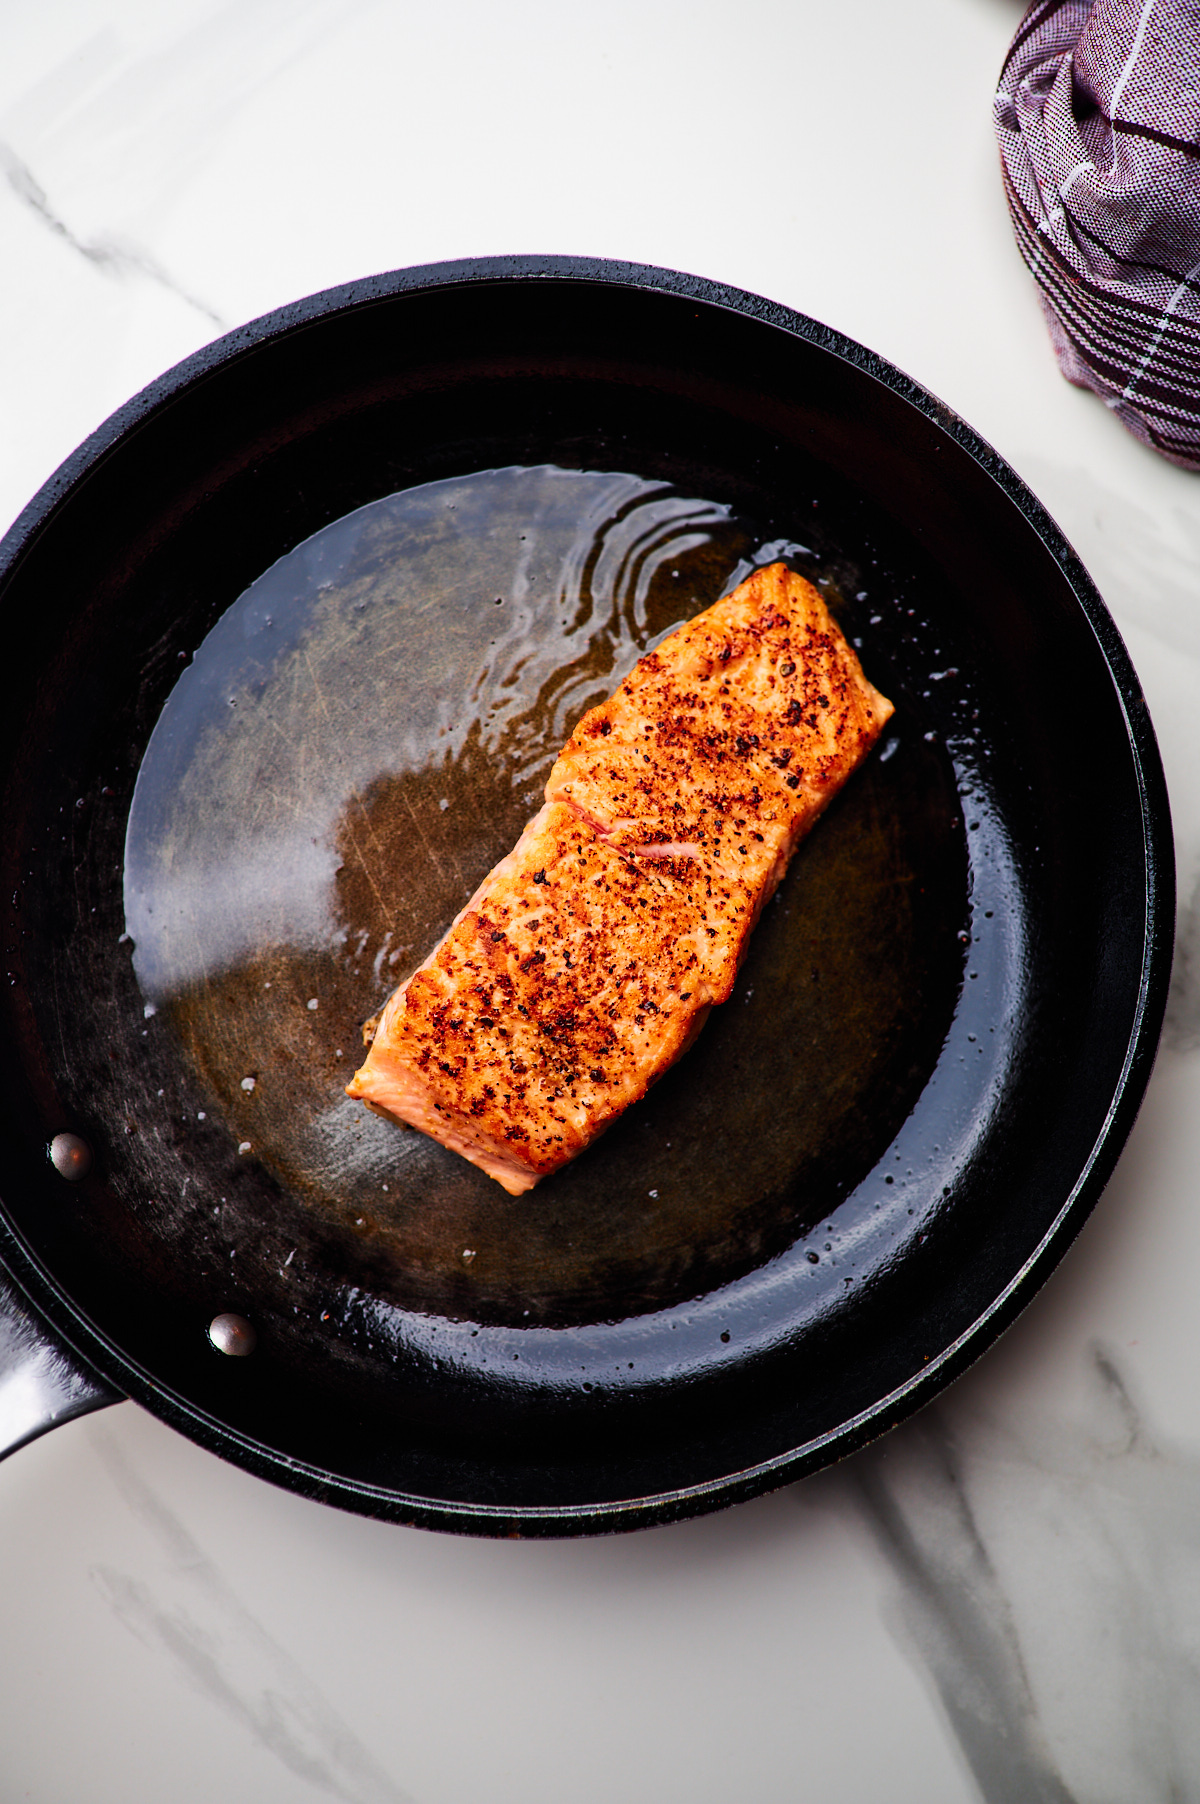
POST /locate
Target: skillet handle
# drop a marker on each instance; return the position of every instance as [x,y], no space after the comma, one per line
[41,1382]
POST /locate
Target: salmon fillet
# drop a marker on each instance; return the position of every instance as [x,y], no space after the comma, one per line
[587,960]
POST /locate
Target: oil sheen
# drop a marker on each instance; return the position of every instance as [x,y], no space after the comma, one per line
[354,745]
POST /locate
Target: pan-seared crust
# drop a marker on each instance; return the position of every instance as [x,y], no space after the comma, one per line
[587,961]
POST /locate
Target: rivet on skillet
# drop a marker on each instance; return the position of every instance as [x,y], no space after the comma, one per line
[230,1333]
[70,1156]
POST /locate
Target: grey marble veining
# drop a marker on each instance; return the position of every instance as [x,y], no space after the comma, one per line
[194,1620]
[1047,1584]
[1001,1602]
[99,146]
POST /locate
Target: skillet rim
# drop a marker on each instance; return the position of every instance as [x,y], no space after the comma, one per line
[55,1307]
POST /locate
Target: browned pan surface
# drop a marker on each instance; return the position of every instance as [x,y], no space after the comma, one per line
[350,750]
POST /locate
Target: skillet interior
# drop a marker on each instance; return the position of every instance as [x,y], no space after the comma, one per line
[998,868]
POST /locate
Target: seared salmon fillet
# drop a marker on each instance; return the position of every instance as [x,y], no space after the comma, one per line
[588,959]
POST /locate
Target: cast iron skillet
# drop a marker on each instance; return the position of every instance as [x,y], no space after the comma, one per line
[877,1151]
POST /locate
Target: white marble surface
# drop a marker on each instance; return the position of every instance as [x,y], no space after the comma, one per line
[1002,1600]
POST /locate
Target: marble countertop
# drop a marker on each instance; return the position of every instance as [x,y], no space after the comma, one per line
[999,1601]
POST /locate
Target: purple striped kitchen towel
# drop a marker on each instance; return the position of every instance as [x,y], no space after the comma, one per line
[1098,117]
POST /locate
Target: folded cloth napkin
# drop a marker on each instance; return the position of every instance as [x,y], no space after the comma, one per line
[1098,117]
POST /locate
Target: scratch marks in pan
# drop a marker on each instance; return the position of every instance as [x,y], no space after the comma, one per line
[220,1650]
